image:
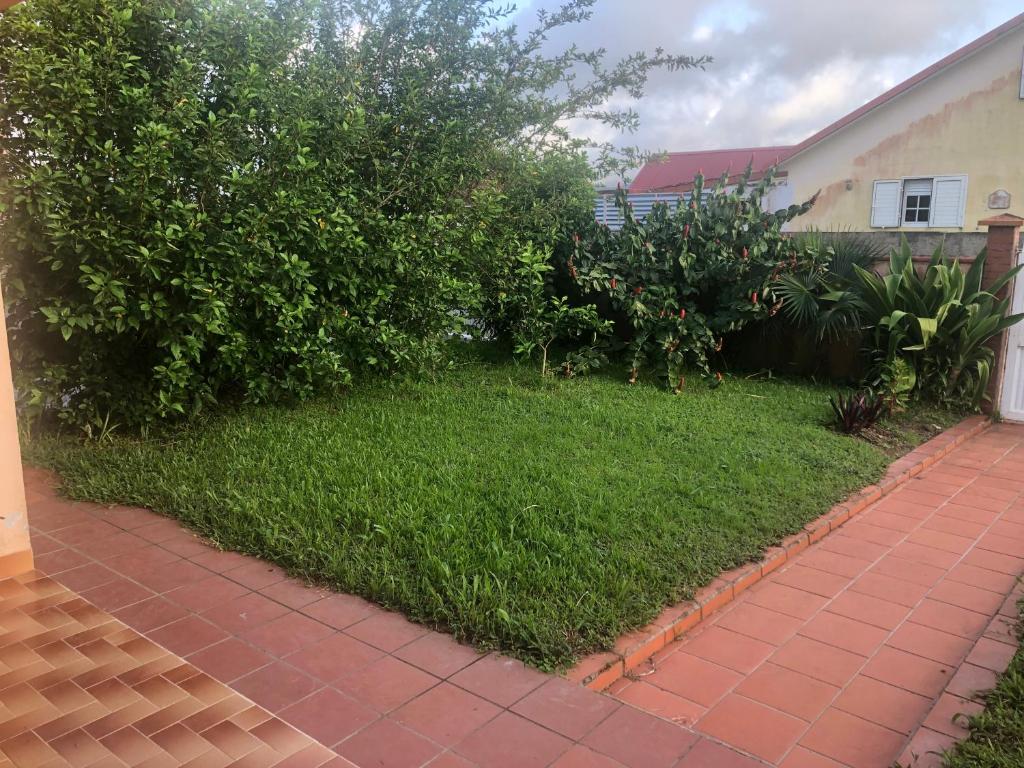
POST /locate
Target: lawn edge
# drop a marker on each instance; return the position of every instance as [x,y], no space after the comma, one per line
[599,670]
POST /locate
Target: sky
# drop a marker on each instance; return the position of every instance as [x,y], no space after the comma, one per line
[782,69]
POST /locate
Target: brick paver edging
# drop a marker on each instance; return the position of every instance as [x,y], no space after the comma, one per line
[600,670]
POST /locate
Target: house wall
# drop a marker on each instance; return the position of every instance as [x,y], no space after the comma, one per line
[15,548]
[968,119]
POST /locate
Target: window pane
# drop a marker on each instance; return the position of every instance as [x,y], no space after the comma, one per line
[911,201]
[911,215]
[924,201]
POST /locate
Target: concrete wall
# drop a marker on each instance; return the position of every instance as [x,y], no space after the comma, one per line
[968,119]
[964,246]
[15,548]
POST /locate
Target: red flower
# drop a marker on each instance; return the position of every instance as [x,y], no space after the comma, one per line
[718,376]
[744,253]
[682,313]
[753,299]
[638,290]
[686,231]
[614,283]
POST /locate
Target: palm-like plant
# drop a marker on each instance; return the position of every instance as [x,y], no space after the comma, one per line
[938,321]
[817,296]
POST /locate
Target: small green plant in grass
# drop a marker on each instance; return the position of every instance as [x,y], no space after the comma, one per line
[538,320]
[857,411]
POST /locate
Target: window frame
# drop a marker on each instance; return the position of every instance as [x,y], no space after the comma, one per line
[902,223]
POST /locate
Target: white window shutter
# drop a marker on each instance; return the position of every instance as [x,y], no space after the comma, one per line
[949,198]
[885,203]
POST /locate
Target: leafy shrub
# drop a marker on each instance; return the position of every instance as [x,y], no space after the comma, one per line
[857,411]
[210,199]
[538,319]
[934,326]
[686,278]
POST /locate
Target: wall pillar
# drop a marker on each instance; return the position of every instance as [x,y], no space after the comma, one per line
[15,547]
[1003,246]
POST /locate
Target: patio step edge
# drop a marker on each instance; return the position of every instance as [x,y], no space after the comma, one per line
[600,670]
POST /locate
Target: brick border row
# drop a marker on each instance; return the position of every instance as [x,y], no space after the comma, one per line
[600,670]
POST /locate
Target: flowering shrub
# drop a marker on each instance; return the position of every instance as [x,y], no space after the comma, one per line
[687,278]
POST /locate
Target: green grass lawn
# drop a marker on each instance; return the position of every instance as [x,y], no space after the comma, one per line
[541,517]
[997,733]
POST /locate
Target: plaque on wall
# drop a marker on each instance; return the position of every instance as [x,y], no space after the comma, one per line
[998,200]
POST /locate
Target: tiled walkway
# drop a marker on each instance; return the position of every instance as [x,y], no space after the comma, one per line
[838,658]
[833,661]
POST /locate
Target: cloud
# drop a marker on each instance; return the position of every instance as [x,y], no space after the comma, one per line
[782,68]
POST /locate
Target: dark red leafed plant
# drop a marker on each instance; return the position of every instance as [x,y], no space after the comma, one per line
[857,411]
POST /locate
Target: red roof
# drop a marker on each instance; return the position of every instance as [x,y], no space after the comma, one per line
[675,171]
[906,85]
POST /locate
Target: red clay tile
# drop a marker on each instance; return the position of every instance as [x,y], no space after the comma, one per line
[385,744]
[995,561]
[983,578]
[565,708]
[728,649]
[893,522]
[950,714]
[949,618]
[966,596]
[905,670]
[930,643]
[853,741]
[869,610]
[692,678]
[801,757]
[811,580]
[438,654]
[164,577]
[895,708]
[788,691]
[752,727]
[328,716]
[992,654]
[386,684]
[206,593]
[759,623]
[862,530]
[842,632]
[294,593]
[915,573]
[147,615]
[447,714]
[925,555]
[639,740]
[900,591]
[792,602]
[340,611]
[710,754]
[953,526]
[967,514]
[229,659]
[287,634]
[187,635]
[926,749]
[660,702]
[116,594]
[256,574]
[836,563]
[822,662]
[578,756]
[512,741]
[276,686]
[387,631]
[245,612]
[499,679]
[333,657]
[86,577]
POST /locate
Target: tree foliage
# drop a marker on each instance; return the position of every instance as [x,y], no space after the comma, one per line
[264,199]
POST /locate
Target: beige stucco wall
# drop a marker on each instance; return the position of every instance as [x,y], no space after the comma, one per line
[969,119]
[15,549]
